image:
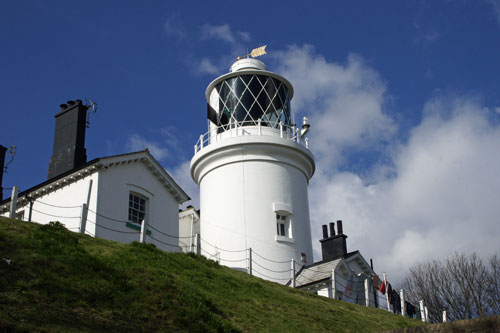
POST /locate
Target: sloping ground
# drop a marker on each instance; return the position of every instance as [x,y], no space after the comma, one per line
[61,281]
[488,324]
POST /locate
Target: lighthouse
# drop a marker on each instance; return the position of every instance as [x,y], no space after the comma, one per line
[253,167]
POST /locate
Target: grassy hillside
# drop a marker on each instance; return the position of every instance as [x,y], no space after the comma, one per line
[62,281]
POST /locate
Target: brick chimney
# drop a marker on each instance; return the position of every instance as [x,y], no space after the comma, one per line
[69,139]
[333,246]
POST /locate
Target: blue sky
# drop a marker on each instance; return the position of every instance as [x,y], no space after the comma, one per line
[403,96]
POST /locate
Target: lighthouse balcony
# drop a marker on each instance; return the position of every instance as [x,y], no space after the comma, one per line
[258,128]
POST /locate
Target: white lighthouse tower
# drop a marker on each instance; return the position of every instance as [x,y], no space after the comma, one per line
[253,167]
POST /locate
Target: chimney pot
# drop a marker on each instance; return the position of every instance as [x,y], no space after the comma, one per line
[332,229]
[63,106]
[340,231]
[71,102]
[325,231]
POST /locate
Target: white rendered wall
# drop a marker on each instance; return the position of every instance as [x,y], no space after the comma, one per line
[189,226]
[242,180]
[72,194]
[162,208]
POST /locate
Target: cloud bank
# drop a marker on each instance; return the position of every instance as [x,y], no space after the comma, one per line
[424,198]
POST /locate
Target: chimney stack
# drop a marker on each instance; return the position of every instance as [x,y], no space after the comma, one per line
[69,139]
[325,231]
[339,227]
[332,229]
[335,246]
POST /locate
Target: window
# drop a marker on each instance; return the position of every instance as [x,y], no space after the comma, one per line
[282,225]
[284,216]
[136,208]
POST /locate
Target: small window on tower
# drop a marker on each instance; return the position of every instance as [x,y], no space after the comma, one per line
[282,225]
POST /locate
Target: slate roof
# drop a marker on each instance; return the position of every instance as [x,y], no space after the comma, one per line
[320,271]
[93,165]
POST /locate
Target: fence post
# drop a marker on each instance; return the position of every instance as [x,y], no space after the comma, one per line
[281,130]
[142,238]
[426,314]
[83,218]
[334,284]
[386,294]
[293,272]
[250,261]
[13,202]
[444,316]
[198,245]
[422,311]
[403,303]
[367,293]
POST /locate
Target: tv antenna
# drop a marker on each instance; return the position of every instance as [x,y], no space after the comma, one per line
[12,152]
[91,107]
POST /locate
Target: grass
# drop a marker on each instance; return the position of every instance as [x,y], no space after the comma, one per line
[60,281]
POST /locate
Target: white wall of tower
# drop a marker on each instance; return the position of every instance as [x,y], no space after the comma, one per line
[244,182]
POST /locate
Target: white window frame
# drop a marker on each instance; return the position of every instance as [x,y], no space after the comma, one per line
[146,203]
[283,214]
[282,224]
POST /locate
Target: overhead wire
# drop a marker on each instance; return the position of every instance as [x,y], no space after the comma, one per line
[277,262]
[256,271]
[216,247]
[163,233]
[62,217]
[270,270]
[56,206]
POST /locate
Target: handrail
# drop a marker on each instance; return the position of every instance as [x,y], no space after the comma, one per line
[287,132]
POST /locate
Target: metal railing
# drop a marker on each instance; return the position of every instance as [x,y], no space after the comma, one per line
[257,128]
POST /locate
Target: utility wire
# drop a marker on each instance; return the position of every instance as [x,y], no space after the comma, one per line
[161,232]
[159,241]
[107,217]
[63,217]
[51,205]
[277,262]
[215,247]
[256,271]
[270,270]
[121,232]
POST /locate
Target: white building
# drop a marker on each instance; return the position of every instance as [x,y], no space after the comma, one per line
[107,197]
[253,168]
[189,227]
[340,274]
[119,192]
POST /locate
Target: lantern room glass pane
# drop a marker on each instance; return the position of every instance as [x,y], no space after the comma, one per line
[247,98]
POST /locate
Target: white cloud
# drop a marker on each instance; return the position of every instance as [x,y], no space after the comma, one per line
[173,27]
[135,142]
[222,32]
[496,8]
[167,147]
[434,194]
[207,67]
[235,40]
[344,102]
[444,196]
